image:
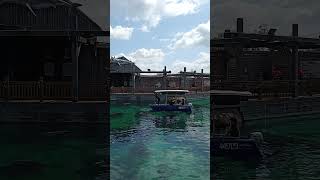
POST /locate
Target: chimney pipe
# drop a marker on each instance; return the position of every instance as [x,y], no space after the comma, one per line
[240,25]
[295,30]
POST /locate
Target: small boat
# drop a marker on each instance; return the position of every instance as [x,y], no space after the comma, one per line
[226,106]
[171,100]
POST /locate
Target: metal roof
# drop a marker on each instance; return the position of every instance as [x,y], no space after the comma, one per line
[40,3]
[45,16]
[123,65]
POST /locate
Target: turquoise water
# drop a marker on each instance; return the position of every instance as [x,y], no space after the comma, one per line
[293,152]
[148,145]
[52,152]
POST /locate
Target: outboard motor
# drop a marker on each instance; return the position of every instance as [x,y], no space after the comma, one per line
[258,137]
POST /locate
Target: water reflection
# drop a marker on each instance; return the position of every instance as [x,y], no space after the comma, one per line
[170,121]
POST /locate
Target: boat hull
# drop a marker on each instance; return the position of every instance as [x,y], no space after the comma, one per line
[235,146]
[165,107]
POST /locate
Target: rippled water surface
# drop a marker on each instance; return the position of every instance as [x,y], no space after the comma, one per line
[292,152]
[51,152]
[149,145]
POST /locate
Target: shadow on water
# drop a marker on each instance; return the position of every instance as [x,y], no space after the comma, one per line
[52,151]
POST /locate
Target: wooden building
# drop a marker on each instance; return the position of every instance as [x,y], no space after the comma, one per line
[50,50]
[240,56]
[249,61]
[122,72]
[149,83]
[126,77]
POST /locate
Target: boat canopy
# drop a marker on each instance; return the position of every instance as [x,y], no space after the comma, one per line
[230,93]
[171,97]
[172,91]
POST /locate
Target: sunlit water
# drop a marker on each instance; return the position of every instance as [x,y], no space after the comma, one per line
[149,145]
[292,152]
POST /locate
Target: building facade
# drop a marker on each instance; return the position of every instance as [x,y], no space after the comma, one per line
[54,44]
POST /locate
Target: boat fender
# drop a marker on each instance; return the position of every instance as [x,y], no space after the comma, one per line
[258,137]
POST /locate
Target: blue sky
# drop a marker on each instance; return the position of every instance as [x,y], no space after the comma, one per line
[155,33]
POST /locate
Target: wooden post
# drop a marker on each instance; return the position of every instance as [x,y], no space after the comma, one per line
[295,70]
[75,68]
[137,81]
[7,87]
[133,78]
[165,78]
[134,83]
[184,78]
[295,60]
[41,89]
[202,81]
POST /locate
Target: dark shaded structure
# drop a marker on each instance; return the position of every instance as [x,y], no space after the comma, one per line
[247,57]
[49,50]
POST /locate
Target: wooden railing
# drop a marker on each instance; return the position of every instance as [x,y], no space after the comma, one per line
[56,90]
[52,90]
[271,88]
[115,90]
[94,90]
[121,89]
[41,90]
[16,90]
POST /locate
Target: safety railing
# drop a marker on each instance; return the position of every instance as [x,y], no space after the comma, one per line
[51,90]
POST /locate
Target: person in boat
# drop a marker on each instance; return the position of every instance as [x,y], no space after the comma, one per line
[158,98]
[171,101]
[233,129]
[178,101]
[183,101]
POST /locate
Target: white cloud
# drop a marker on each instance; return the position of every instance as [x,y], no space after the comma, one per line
[153,59]
[151,12]
[200,35]
[181,7]
[148,54]
[119,32]
[145,28]
[202,62]
[146,58]
[164,39]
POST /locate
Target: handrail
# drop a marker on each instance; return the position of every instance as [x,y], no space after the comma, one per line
[50,90]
